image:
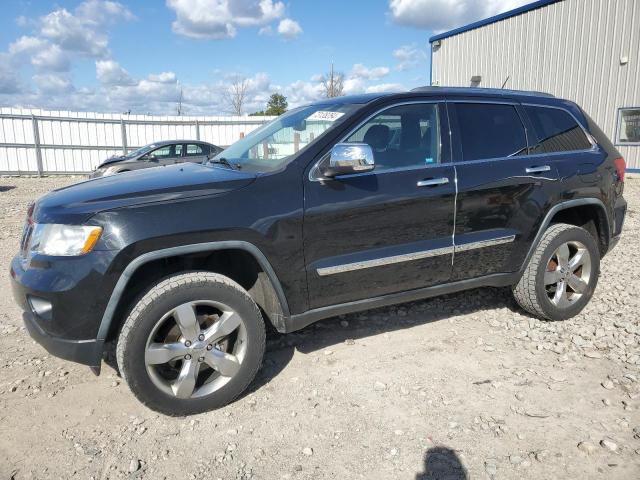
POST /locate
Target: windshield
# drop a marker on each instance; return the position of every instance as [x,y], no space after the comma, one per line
[140,151]
[272,145]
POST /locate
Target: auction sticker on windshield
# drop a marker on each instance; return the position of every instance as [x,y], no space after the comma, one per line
[326,116]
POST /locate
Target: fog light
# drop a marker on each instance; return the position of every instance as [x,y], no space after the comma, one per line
[40,307]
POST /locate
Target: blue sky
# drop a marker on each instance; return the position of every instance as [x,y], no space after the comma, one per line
[139,55]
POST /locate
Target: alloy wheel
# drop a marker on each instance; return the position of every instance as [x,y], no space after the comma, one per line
[568,274]
[195,349]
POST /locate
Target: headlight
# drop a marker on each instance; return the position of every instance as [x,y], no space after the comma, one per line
[64,240]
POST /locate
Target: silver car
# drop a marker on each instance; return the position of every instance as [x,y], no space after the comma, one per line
[157,154]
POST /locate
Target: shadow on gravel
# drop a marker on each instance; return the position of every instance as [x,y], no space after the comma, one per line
[6,188]
[442,463]
[346,328]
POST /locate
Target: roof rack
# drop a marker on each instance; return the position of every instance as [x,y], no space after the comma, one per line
[495,91]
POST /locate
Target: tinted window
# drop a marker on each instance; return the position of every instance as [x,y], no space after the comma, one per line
[194,150]
[402,136]
[490,131]
[557,131]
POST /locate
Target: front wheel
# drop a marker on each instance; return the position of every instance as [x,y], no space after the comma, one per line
[561,275]
[192,343]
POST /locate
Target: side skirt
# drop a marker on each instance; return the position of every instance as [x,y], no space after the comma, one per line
[297,322]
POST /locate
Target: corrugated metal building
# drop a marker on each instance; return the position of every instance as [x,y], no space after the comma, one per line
[587,51]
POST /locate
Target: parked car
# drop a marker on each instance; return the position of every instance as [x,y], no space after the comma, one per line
[157,154]
[347,204]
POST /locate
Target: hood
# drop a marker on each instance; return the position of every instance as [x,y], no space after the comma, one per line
[76,203]
[114,159]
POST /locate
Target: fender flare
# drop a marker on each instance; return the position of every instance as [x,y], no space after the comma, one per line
[125,276]
[558,208]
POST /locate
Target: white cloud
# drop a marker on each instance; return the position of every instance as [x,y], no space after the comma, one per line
[109,72]
[220,19]
[43,54]
[439,15]
[84,31]
[26,45]
[101,11]
[360,71]
[53,83]
[409,56]
[164,77]
[385,87]
[60,37]
[289,28]
[158,93]
[52,58]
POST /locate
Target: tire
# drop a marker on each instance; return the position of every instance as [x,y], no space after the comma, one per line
[537,294]
[215,368]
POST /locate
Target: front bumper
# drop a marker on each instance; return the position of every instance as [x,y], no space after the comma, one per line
[87,352]
[75,291]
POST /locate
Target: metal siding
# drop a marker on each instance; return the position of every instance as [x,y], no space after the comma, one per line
[571,49]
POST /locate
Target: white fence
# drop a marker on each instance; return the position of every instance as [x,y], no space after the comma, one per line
[37,142]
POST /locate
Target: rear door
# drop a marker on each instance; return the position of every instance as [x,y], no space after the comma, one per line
[503,191]
[389,230]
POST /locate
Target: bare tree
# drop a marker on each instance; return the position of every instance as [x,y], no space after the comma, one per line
[235,95]
[333,84]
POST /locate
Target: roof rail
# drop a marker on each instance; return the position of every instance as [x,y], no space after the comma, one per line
[495,91]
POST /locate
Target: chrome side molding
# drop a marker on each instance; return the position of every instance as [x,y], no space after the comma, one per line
[492,242]
[379,262]
[409,257]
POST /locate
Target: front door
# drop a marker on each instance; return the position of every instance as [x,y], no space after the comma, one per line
[389,230]
[165,155]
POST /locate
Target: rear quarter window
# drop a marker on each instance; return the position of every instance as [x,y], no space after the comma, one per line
[490,130]
[557,131]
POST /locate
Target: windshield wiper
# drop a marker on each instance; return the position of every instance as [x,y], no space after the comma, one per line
[226,163]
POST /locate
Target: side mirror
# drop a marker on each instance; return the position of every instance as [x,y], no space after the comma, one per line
[151,158]
[346,158]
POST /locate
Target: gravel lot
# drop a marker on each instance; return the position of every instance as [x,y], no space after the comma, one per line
[463,386]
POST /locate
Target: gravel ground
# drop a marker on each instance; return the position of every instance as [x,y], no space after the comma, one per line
[462,386]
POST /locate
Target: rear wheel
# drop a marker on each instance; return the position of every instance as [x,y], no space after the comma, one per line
[192,343]
[562,274]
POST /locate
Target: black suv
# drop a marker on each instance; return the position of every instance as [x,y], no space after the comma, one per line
[343,205]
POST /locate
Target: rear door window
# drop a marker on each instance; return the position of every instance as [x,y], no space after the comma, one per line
[490,130]
[557,131]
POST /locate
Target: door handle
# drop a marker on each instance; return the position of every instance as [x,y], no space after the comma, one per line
[540,169]
[432,182]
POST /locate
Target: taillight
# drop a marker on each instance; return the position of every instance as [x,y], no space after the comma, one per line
[621,166]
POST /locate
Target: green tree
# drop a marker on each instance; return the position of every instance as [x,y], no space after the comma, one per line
[276,105]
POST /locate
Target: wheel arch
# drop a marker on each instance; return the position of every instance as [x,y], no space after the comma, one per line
[561,211]
[267,291]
